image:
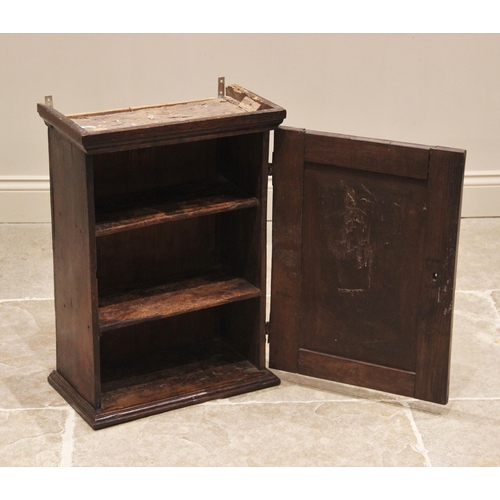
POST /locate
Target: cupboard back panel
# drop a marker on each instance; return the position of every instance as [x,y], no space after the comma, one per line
[240,159]
[242,328]
[146,169]
[138,349]
[241,236]
[180,340]
[153,254]
[237,158]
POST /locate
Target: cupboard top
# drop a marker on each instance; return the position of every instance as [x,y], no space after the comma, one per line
[240,111]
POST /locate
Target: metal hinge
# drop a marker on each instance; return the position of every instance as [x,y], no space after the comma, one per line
[49,101]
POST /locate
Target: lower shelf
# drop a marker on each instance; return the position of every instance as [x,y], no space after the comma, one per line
[221,374]
[179,297]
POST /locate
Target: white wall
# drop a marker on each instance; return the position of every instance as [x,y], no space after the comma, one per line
[431,89]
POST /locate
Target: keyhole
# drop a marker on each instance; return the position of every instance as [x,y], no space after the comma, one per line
[434,276]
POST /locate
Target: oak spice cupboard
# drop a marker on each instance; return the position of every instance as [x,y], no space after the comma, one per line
[159,240]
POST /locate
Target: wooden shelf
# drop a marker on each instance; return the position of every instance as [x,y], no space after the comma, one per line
[183,296]
[122,213]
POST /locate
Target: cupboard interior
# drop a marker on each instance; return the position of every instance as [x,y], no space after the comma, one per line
[179,272]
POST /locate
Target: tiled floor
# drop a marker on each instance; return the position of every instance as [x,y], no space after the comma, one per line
[329,425]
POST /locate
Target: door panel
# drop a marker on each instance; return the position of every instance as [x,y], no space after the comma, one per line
[357,282]
[359,278]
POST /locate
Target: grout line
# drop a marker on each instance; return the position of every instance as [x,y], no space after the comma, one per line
[26,299]
[226,402]
[420,447]
[487,295]
[493,398]
[291,401]
[39,408]
[68,439]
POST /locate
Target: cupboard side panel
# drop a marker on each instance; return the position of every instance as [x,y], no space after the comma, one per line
[287,249]
[446,170]
[74,267]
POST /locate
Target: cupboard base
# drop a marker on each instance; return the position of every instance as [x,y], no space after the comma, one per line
[124,405]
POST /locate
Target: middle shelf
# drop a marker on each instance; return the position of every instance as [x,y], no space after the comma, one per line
[135,210]
[217,287]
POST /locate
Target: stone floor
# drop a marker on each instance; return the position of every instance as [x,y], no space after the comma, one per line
[290,425]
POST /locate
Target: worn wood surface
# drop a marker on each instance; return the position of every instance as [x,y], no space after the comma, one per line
[132,211]
[361,264]
[388,157]
[174,380]
[356,373]
[286,280]
[446,171]
[178,387]
[94,123]
[373,259]
[75,287]
[179,297]
[133,128]
[176,240]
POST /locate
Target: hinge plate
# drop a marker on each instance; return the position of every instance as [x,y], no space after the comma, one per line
[48,101]
[221,91]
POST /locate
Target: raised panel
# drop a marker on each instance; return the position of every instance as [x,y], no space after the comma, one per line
[362,264]
[363,261]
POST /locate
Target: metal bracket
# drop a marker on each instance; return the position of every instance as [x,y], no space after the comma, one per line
[222,87]
[48,101]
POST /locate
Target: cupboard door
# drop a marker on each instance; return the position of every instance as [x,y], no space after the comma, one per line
[364,252]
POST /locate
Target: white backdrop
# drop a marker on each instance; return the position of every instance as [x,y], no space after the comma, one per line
[425,88]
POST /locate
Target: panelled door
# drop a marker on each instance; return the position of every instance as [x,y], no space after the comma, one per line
[364,251]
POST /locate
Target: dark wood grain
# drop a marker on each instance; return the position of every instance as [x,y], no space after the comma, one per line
[407,160]
[243,238]
[179,297]
[75,286]
[132,211]
[200,374]
[172,391]
[130,172]
[286,280]
[362,264]
[133,348]
[356,373]
[159,225]
[438,285]
[372,250]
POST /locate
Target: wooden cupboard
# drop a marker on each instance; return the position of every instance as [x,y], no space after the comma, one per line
[159,239]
